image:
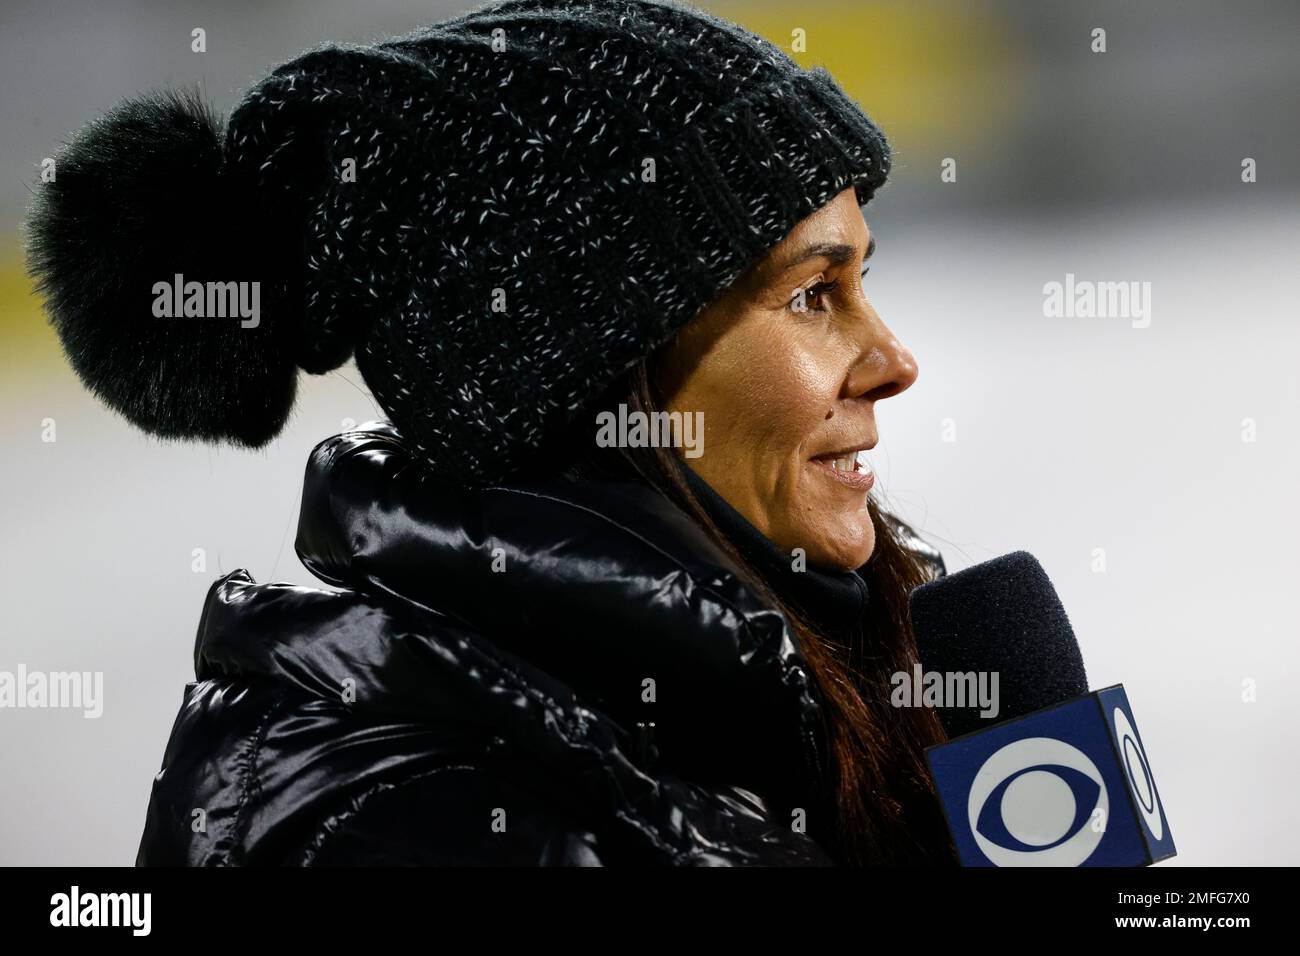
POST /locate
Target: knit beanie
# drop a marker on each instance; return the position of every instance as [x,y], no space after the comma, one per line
[497,215]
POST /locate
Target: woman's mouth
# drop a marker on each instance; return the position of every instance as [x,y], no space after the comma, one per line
[851,468]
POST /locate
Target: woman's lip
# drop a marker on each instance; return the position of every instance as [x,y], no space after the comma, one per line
[831,455]
[859,480]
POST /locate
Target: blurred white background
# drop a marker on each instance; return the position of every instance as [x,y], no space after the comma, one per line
[1071,434]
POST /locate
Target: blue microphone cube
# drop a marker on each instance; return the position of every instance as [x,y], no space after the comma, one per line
[1068,785]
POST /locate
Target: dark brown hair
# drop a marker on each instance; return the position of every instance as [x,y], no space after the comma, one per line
[887,812]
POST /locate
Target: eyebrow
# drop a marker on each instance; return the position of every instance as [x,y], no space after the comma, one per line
[837,252]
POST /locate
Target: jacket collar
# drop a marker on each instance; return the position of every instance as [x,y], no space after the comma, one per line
[601,585]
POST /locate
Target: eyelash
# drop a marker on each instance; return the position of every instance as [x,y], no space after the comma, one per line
[819,290]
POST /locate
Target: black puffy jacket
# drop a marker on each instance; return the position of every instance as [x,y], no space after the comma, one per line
[564,673]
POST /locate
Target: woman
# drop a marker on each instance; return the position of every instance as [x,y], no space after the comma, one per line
[544,647]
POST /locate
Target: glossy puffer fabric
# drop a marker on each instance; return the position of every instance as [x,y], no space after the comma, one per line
[476,689]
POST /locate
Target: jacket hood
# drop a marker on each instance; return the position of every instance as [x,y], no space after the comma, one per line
[591,616]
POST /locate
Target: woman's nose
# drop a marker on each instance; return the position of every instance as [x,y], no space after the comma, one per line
[885,367]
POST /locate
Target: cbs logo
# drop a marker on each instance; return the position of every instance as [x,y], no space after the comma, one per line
[1031,802]
[1138,771]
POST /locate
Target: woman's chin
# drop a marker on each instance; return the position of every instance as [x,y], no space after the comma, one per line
[845,553]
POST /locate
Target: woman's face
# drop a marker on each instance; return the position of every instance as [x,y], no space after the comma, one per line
[787,366]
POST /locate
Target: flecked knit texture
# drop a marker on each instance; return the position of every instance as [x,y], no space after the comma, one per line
[507,248]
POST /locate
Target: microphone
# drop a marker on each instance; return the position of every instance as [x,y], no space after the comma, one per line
[1002,616]
[1062,777]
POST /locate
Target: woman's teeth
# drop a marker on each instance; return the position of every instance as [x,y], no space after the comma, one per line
[856,461]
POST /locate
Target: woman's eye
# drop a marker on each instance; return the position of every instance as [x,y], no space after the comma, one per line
[807,300]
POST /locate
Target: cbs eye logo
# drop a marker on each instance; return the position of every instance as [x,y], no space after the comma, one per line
[1138,771]
[1031,802]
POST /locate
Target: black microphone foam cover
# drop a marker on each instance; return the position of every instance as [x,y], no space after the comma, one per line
[1001,615]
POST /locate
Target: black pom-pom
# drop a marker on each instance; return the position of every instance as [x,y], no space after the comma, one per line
[155,276]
